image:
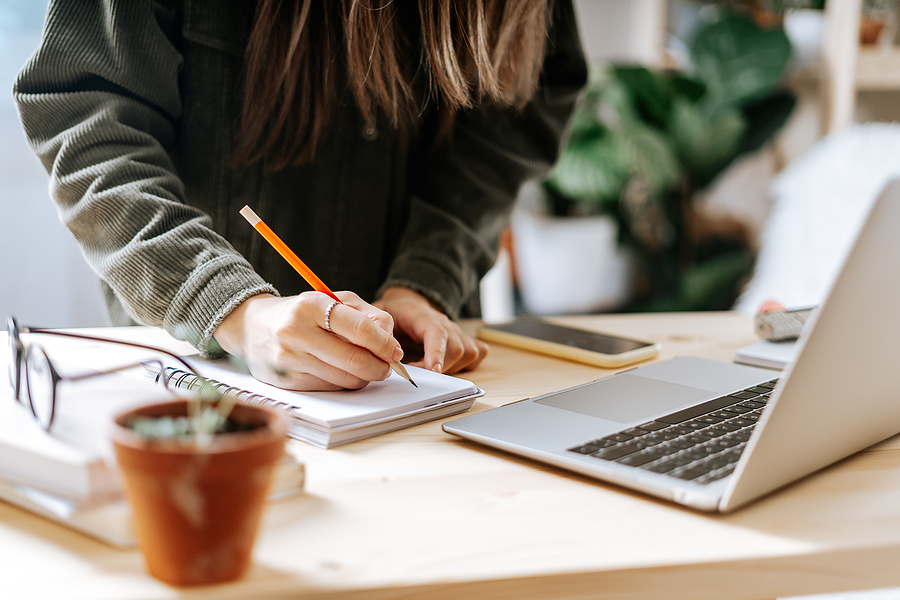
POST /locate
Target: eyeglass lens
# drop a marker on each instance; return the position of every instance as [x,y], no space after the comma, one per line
[14,359]
[39,379]
[33,378]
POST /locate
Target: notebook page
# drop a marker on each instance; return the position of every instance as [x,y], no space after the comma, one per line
[377,400]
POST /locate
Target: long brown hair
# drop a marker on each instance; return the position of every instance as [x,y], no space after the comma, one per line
[303,53]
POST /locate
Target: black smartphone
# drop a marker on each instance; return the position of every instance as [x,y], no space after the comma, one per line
[592,347]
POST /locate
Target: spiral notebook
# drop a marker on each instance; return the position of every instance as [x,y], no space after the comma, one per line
[328,419]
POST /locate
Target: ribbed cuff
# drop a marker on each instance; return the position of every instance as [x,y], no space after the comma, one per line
[208,297]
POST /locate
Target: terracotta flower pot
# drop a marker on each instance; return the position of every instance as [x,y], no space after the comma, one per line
[870,29]
[196,511]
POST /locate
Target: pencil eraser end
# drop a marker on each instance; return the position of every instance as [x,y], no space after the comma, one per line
[251,217]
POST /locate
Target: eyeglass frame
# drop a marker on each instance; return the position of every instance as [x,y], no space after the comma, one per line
[18,356]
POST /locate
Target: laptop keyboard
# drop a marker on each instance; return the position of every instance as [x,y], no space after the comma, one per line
[701,444]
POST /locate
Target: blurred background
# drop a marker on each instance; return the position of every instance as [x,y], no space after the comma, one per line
[43,277]
[725,153]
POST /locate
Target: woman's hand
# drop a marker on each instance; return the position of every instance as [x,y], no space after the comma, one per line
[285,343]
[428,335]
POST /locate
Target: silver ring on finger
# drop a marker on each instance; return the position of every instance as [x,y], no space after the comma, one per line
[328,315]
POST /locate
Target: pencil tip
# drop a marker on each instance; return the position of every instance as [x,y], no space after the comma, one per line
[414,383]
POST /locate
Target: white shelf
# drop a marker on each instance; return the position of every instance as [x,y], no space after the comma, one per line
[878,69]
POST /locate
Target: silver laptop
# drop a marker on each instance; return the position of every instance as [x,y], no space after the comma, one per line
[713,435]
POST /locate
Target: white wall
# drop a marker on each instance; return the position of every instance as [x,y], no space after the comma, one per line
[614,30]
[44,281]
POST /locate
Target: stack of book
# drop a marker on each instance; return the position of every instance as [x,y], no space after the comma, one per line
[766,354]
[69,475]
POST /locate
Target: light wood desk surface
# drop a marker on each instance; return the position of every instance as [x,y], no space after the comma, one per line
[421,514]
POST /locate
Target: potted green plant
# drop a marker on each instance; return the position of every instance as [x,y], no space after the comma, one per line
[873,20]
[196,476]
[643,143]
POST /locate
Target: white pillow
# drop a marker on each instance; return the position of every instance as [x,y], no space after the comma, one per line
[819,203]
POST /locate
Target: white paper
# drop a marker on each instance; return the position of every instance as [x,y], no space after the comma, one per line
[377,400]
[763,353]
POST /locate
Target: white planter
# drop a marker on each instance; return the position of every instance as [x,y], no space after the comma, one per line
[567,265]
[498,302]
[806,30]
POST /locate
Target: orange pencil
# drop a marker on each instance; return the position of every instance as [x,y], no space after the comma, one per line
[307,274]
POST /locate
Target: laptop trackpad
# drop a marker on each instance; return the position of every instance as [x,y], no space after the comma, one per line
[626,398]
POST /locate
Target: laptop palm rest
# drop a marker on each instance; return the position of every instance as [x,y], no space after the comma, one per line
[626,398]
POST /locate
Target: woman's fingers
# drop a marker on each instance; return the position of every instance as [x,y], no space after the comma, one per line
[445,347]
[382,318]
[284,341]
[363,333]
[470,353]
[308,373]
[453,349]
[310,342]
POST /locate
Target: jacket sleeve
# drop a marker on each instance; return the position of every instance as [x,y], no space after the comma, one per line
[100,102]
[462,199]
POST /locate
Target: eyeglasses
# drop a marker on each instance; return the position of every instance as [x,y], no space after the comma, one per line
[33,375]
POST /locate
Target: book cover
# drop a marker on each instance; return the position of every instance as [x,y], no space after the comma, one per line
[73,461]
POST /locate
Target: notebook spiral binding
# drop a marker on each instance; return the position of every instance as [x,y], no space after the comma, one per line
[187,381]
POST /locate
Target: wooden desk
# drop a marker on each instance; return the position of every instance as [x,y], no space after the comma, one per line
[422,514]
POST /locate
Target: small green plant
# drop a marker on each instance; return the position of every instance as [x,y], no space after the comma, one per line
[208,413]
[207,421]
